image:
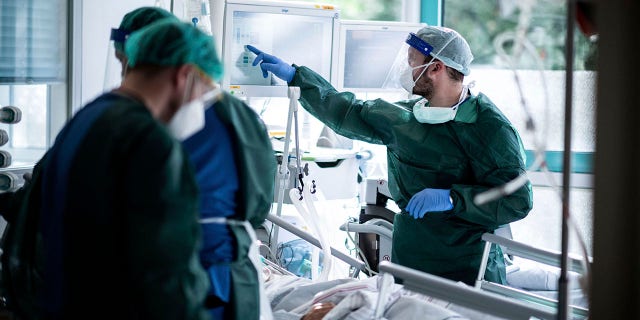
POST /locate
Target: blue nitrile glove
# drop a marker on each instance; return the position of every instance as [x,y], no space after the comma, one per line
[429,200]
[271,63]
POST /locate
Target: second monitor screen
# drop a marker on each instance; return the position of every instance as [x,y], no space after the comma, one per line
[369,55]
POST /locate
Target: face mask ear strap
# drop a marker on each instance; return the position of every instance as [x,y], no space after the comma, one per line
[125,69]
[422,73]
[211,96]
[188,87]
[424,69]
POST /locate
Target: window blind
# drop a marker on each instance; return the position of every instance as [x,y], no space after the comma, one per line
[32,41]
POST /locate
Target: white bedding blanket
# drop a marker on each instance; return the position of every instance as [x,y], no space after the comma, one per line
[292,297]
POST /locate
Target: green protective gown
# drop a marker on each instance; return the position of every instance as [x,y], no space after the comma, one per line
[478,150]
[256,164]
[255,156]
[130,231]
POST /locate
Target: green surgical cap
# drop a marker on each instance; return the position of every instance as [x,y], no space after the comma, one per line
[456,54]
[173,43]
[139,18]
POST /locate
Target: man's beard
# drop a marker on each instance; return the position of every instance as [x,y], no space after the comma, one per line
[424,89]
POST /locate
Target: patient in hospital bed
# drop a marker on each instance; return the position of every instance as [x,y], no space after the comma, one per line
[300,297]
[294,297]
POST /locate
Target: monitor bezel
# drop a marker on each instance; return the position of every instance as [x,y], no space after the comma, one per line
[349,25]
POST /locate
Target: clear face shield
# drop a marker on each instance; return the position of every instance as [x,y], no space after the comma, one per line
[413,55]
[400,75]
[116,65]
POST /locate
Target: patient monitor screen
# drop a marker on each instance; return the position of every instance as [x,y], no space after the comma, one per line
[369,55]
[299,39]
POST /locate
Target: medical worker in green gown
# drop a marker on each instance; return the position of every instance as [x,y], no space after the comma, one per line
[443,149]
[234,167]
[108,227]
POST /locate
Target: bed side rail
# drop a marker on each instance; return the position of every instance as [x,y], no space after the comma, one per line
[355,263]
[548,257]
[454,292]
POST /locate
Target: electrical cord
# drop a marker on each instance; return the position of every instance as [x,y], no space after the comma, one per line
[358,251]
[271,256]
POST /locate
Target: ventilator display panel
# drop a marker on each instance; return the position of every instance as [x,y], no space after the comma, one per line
[303,36]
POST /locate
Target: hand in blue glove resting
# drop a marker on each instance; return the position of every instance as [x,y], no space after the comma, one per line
[429,200]
[271,63]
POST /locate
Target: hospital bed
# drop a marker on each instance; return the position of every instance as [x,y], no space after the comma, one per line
[378,297]
[528,276]
[547,298]
[484,302]
[293,297]
[535,291]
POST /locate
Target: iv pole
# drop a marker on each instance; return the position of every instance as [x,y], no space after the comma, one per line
[563,283]
[283,169]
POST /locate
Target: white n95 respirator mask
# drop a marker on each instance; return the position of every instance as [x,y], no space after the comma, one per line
[432,115]
[189,119]
[406,76]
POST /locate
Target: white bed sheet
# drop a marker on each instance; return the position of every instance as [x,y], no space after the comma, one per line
[542,280]
[292,297]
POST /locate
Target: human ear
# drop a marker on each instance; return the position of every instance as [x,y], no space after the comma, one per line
[437,66]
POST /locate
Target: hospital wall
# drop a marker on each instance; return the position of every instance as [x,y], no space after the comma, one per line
[98,17]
